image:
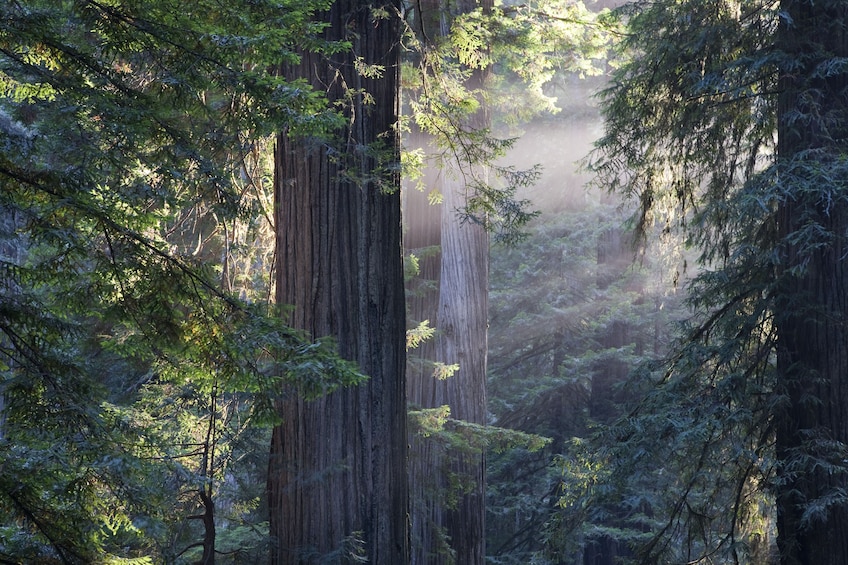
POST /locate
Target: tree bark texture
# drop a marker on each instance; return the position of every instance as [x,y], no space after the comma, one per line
[458,309]
[463,339]
[422,238]
[337,474]
[812,309]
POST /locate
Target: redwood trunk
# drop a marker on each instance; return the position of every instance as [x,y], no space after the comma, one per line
[337,475]
[812,429]
[463,322]
[422,238]
[459,312]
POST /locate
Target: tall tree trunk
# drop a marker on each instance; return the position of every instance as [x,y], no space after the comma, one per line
[337,475]
[459,310]
[422,238]
[463,339]
[812,428]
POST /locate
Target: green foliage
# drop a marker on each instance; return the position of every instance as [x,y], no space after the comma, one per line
[683,473]
[492,63]
[212,446]
[442,371]
[464,441]
[469,437]
[573,308]
[419,334]
[528,44]
[128,136]
[690,117]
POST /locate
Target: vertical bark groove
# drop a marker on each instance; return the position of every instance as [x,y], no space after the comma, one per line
[812,428]
[337,474]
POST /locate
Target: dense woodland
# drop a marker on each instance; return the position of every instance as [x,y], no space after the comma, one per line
[345,281]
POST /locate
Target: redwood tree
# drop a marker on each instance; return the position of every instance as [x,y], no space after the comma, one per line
[812,296]
[455,257]
[459,46]
[337,476]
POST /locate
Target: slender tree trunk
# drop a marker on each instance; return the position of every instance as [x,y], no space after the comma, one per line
[337,476]
[463,323]
[208,518]
[811,317]
[460,310]
[443,534]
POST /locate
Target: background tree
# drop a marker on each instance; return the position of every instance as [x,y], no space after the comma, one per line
[444,531]
[452,96]
[569,319]
[337,478]
[811,299]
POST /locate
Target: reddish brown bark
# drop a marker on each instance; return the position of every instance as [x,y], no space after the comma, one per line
[337,475]
[812,424]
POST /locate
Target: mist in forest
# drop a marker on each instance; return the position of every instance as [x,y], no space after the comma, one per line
[574,308]
[558,146]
